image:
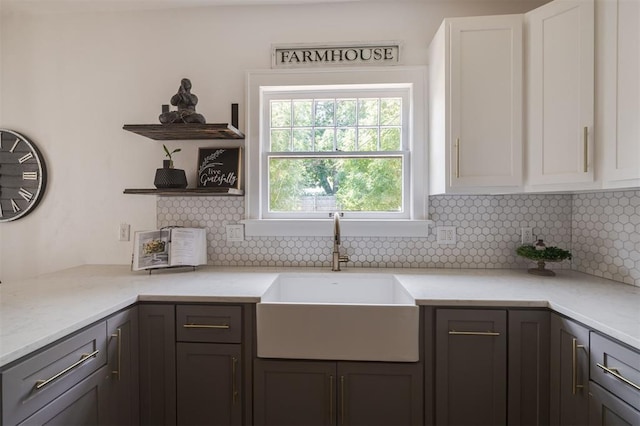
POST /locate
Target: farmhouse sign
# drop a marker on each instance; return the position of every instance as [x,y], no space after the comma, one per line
[303,56]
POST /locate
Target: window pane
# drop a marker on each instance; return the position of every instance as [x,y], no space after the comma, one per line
[280,140]
[302,140]
[325,184]
[302,113]
[390,112]
[390,139]
[281,113]
[346,139]
[324,112]
[368,112]
[346,112]
[324,140]
[367,139]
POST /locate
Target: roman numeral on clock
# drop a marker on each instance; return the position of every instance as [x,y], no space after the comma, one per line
[29,175]
[25,194]
[25,157]
[15,207]
[15,144]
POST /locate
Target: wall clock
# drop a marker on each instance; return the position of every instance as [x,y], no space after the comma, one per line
[23,176]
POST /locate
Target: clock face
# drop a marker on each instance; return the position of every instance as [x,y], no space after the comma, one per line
[23,176]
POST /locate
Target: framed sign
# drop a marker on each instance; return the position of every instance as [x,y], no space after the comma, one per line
[219,167]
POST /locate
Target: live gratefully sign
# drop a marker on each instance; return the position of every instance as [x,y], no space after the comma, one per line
[328,55]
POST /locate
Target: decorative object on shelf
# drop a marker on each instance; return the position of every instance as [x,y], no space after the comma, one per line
[167,176]
[186,103]
[219,167]
[541,254]
[23,176]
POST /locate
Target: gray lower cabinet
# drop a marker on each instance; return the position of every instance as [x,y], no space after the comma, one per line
[614,388]
[528,371]
[157,364]
[296,392]
[470,367]
[123,385]
[84,404]
[209,384]
[491,366]
[569,372]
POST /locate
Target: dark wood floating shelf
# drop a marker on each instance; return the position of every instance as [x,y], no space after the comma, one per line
[186,191]
[177,131]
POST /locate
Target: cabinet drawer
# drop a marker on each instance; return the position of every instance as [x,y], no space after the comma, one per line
[616,368]
[607,410]
[215,324]
[33,383]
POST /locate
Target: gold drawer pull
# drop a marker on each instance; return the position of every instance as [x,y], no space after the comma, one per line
[473,333]
[574,366]
[585,139]
[221,326]
[118,336]
[42,383]
[615,373]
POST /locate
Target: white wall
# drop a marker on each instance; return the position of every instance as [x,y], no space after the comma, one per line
[69,81]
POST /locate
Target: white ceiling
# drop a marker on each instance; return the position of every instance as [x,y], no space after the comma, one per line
[52,6]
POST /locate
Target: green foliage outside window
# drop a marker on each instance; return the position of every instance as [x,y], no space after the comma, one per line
[369,183]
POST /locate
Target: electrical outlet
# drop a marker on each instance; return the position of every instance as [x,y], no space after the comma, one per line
[235,232]
[124,232]
[446,234]
[526,235]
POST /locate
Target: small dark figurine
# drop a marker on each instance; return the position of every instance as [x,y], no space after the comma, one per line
[186,103]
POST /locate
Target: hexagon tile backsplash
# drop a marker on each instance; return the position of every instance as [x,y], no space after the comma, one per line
[602,230]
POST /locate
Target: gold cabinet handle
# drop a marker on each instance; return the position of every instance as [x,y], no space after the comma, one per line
[234,381]
[615,373]
[457,157]
[585,141]
[118,336]
[216,326]
[331,399]
[42,383]
[342,423]
[473,333]
[574,368]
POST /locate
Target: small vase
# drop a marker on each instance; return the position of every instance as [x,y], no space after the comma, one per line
[168,177]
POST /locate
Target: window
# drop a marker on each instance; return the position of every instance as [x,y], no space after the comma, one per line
[330,149]
[324,141]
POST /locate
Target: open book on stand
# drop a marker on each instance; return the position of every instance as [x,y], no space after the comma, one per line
[169,247]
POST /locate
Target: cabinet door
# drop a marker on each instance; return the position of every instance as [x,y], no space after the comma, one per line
[607,410]
[471,367]
[619,88]
[209,384]
[294,392]
[486,101]
[528,399]
[569,367]
[560,92]
[157,365]
[372,393]
[84,404]
[123,388]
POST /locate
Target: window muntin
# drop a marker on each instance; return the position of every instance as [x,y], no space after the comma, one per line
[333,149]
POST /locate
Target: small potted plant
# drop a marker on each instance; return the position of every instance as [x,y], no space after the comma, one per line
[541,254]
[167,176]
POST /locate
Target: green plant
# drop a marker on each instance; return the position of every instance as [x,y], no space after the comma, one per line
[170,153]
[549,254]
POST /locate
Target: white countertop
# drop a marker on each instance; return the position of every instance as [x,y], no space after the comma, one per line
[38,311]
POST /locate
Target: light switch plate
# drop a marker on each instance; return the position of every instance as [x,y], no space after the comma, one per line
[235,232]
[446,234]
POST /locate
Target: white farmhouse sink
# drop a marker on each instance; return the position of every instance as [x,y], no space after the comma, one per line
[339,316]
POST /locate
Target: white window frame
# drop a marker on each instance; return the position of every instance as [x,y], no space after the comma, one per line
[415,222]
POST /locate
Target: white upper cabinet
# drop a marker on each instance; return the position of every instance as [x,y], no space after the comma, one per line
[475,111]
[560,95]
[618,89]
